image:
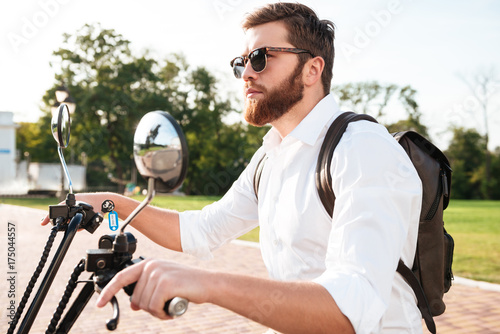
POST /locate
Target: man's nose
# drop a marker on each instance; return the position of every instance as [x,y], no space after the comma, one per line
[248,72]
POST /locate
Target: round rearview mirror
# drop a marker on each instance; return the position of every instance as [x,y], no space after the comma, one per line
[60,125]
[160,150]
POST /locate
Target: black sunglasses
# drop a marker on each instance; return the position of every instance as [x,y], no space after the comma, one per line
[258,59]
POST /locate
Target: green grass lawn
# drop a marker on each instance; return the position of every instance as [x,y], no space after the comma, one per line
[475,226]
[37,203]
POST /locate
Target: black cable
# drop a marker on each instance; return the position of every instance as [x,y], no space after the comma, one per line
[34,278]
[70,287]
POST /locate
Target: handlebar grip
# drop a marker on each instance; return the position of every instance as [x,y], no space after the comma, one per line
[176,307]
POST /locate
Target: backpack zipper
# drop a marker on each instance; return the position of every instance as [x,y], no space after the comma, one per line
[448,273]
[442,185]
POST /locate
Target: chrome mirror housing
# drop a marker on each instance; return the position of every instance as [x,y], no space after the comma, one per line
[60,126]
[160,150]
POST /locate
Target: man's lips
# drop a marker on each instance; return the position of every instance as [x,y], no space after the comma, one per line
[251,92]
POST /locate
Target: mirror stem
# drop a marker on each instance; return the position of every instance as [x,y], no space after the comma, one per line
[66,171]
[147,200]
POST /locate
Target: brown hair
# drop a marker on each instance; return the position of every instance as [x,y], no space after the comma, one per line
[305,31]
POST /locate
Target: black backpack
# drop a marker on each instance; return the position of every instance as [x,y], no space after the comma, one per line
[431,274]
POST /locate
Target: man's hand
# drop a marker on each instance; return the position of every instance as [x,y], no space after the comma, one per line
[157,282]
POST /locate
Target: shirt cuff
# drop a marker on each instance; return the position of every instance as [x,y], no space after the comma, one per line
[356,300]
[193,242]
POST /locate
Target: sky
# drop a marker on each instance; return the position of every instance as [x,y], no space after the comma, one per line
[430,45]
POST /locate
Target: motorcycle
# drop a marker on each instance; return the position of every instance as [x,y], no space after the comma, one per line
[161,156]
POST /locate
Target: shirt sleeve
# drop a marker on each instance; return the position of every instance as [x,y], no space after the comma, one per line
[236,213]
[378,195]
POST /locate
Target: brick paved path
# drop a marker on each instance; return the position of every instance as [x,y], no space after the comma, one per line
[469,309]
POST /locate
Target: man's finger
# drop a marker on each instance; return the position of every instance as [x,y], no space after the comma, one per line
[45,220]
[123,278]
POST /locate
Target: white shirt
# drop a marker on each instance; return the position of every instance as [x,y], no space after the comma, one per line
[355,254]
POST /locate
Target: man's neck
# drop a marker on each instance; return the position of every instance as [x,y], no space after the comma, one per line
[289,121]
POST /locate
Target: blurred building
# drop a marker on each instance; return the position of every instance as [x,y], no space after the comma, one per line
[13,176]
[20,177]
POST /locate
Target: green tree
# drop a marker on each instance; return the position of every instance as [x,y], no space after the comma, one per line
[109,86]
[483,86]
[494,184]
[36,142]
[365,97]
[489,186]
[374,98]
[466,155]
[413,122]
[113,89]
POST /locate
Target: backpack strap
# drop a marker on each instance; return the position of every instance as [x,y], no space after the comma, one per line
[258,174]
[323,177]
[332,138]
[422,303]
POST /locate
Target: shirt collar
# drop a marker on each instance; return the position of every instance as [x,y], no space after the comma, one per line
[310,128]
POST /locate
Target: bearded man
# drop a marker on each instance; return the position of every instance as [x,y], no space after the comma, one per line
[335,274]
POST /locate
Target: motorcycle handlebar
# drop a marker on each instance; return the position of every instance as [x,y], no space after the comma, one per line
[174,307]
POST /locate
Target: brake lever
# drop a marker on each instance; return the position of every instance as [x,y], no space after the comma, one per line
[112,323]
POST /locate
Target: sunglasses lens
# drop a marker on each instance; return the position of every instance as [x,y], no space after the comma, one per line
[258,60]
[238,67]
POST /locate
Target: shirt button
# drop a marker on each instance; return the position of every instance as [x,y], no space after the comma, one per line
[276,242]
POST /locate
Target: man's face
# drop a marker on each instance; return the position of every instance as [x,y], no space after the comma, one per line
[273,92]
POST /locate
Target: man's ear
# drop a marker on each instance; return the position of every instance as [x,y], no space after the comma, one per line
[313,70]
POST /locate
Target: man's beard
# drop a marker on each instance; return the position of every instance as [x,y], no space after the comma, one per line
[277,101]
